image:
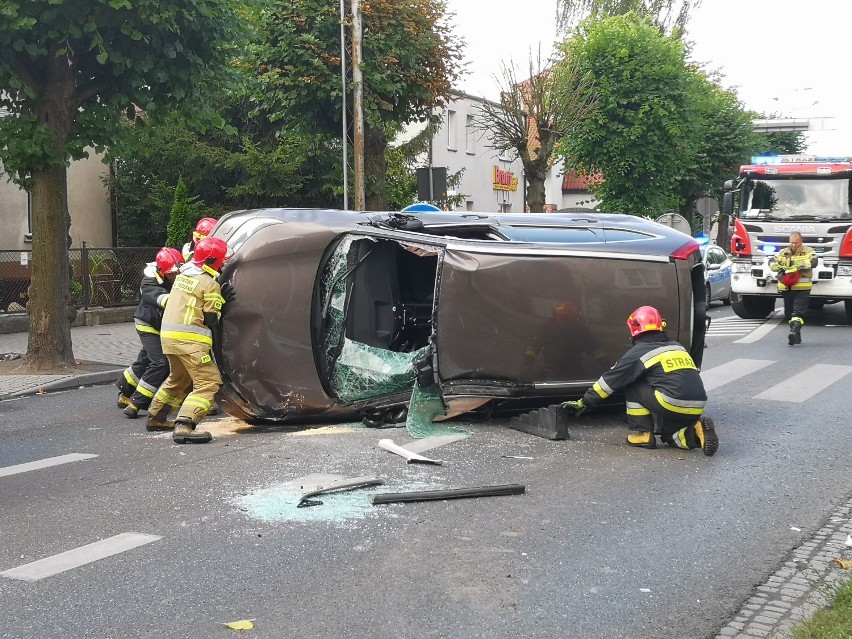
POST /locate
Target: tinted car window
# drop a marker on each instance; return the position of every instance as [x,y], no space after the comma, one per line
[544,235]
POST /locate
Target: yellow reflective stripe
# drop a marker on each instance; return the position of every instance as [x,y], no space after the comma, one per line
[167,399]
[162,299]
[636,409]
[130,377]
[144,328]
[200,402]
[682,406]
[602,389]
[679,438]
[189,313]
[186,335]
[144,391]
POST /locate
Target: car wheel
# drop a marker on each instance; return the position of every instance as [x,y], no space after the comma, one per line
[752,306]
[708,296]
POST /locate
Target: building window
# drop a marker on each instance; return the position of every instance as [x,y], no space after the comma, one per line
[451,130]
[468,205]
[469,135]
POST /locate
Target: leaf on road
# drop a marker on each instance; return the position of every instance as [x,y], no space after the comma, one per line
[244,624]
[843,563]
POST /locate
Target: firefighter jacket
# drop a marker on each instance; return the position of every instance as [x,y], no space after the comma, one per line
[803,260]
[195,306]
[664,364]
[154,293]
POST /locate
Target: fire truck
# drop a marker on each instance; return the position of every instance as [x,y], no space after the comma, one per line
[774,196]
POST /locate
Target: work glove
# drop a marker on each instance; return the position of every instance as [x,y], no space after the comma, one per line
[228,292]
[577,405]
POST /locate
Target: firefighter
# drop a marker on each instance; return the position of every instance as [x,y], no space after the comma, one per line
[660,382]
[794,266]
[194,309]
[203,228]
[140,381]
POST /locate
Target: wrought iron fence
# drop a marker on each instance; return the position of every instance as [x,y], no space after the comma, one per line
[99,276]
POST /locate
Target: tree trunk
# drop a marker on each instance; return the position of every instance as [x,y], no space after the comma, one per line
[49,346]
[375,169]
[535,192]
[49,329]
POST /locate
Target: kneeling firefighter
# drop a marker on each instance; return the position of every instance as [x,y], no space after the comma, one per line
[659,380]
[194,309]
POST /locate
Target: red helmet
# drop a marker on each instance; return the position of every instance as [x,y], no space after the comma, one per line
[203,228]
[645,319]
[789,279]
[212,251]
[168,260]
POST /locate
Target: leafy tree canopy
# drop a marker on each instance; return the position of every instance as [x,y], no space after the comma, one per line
[671,16]
[636,136]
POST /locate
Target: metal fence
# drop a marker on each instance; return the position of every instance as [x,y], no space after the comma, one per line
[99,276]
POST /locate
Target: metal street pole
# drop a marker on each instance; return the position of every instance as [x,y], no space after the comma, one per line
[343,108]
[358,107]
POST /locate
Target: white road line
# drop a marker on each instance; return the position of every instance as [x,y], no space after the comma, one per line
[806,384]
[44,463]
[78,557]
[771,322]
[726,373]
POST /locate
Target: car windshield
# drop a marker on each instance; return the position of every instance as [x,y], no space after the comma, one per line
[789,200]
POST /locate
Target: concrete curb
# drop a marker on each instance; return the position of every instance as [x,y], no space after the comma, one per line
[69,382]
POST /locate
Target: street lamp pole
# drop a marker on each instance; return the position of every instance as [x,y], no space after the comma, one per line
[343,109]
[357,107]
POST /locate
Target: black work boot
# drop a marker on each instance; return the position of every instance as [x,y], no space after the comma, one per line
[186,433]
[795,336]
[705,434]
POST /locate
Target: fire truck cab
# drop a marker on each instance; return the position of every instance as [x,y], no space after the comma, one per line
[774,196]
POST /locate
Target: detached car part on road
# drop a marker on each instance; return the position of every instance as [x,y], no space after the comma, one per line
[338,313]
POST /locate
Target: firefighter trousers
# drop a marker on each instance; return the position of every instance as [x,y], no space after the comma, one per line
[196,371]
[129,380]
[643,406]
[155,373]
[795,303]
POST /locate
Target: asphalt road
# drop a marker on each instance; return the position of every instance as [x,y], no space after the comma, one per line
[607,542]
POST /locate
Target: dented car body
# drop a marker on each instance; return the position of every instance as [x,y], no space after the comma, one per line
[339,312]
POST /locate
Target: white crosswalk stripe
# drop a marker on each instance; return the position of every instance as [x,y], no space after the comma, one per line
[797,387]
[748,330]
[806,384]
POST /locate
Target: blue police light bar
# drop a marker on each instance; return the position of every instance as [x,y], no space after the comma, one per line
[769,248]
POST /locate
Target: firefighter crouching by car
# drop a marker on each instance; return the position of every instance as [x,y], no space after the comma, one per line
[795,266]
[659,379]
[136,387]
[194,309]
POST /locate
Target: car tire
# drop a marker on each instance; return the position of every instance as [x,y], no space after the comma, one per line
[708,296]
[752,306]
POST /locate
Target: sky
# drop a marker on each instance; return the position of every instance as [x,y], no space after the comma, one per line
[784,57]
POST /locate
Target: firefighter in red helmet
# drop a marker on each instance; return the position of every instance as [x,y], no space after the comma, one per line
[194,310]
[660,383]
[142,378]
[203,228]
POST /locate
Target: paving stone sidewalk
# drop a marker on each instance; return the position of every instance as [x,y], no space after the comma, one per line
[114,345]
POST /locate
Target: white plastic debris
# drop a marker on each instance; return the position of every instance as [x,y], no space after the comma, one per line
[849,540]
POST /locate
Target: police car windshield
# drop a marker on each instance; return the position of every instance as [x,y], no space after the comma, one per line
[812,199]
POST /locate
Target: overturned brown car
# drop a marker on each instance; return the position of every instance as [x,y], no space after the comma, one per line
[338,313]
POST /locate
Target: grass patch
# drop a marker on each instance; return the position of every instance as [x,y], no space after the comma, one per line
[832,623]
